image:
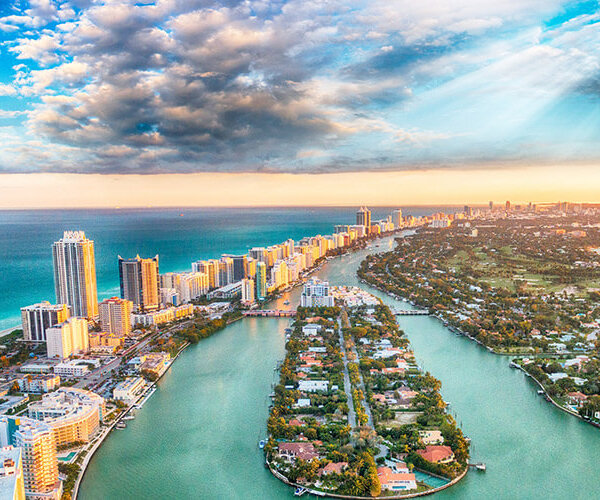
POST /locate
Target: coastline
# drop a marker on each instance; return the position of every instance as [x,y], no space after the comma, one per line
[97,445]
[489,349]
[320,493]
[104,434]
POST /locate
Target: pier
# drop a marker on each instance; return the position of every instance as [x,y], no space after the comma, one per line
[270,313]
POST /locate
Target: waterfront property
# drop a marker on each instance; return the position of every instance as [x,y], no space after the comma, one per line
[73,414]
[339,410]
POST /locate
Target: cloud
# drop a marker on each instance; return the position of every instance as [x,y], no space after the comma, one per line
[292,86]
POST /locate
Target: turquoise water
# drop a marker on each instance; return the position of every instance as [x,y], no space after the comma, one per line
[197,435]
[26,237]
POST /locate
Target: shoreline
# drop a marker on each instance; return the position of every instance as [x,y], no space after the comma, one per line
[489,349]
[104,434]
[97,445]
[321,493]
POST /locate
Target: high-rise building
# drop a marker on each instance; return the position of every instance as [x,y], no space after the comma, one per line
[491,205]
[38,450]
[12,484]
[115,315]
[247,291]
[316,294]
[192,285]
[140,282]
[226,271]
[397,218]
[261,281]
[240,266]
[37,318]
[73,414]
[251,268]
[363,218]
[67,338]
[507,206]
[75,274]
[259,254]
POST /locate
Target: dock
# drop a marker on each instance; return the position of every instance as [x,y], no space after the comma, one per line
[479,466]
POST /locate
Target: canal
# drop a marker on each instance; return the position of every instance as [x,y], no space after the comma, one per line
[197,435]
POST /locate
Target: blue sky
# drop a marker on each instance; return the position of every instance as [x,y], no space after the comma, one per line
[299,86]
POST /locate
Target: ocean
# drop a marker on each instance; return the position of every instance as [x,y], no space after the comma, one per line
[178,235]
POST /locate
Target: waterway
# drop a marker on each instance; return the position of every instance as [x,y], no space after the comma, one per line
[197,436]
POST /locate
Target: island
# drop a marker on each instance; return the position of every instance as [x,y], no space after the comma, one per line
[353,415]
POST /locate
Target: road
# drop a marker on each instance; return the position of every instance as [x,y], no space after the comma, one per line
[347,385]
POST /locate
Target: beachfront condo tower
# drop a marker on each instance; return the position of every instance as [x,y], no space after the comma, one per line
[75,274]
[115,315]
[37,318]
[140,282]
[261,281]
[363,218]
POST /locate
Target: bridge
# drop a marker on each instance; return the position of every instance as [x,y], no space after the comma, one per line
[270,313]
[411,312]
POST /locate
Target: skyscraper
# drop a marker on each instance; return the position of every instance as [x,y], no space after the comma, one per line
[247,291]
[226,271]
[240,266]
[261,281]
[115,315]
[75,274]
[140,282]
[363,218]
[12,484]
[37,318]
[315,293]
[397,218]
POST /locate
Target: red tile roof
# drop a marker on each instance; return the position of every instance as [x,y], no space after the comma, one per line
[436,453]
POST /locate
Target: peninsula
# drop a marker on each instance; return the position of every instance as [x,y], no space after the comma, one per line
[353,414]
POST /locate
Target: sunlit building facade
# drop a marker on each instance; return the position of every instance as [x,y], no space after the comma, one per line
[75,274]
[37,318]
[115,315]
[140,282]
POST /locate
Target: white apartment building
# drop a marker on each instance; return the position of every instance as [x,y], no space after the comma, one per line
[316,294]
[67,338]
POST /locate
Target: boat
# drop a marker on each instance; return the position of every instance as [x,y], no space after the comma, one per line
[300,491]
[541,392]
[261,444]
[121,425]
[129,417]
[512,364]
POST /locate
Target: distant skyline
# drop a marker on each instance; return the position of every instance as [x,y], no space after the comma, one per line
[432,187]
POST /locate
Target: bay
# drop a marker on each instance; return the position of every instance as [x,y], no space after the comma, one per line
[197,435]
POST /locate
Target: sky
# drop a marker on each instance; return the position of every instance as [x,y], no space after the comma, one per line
[255,102]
